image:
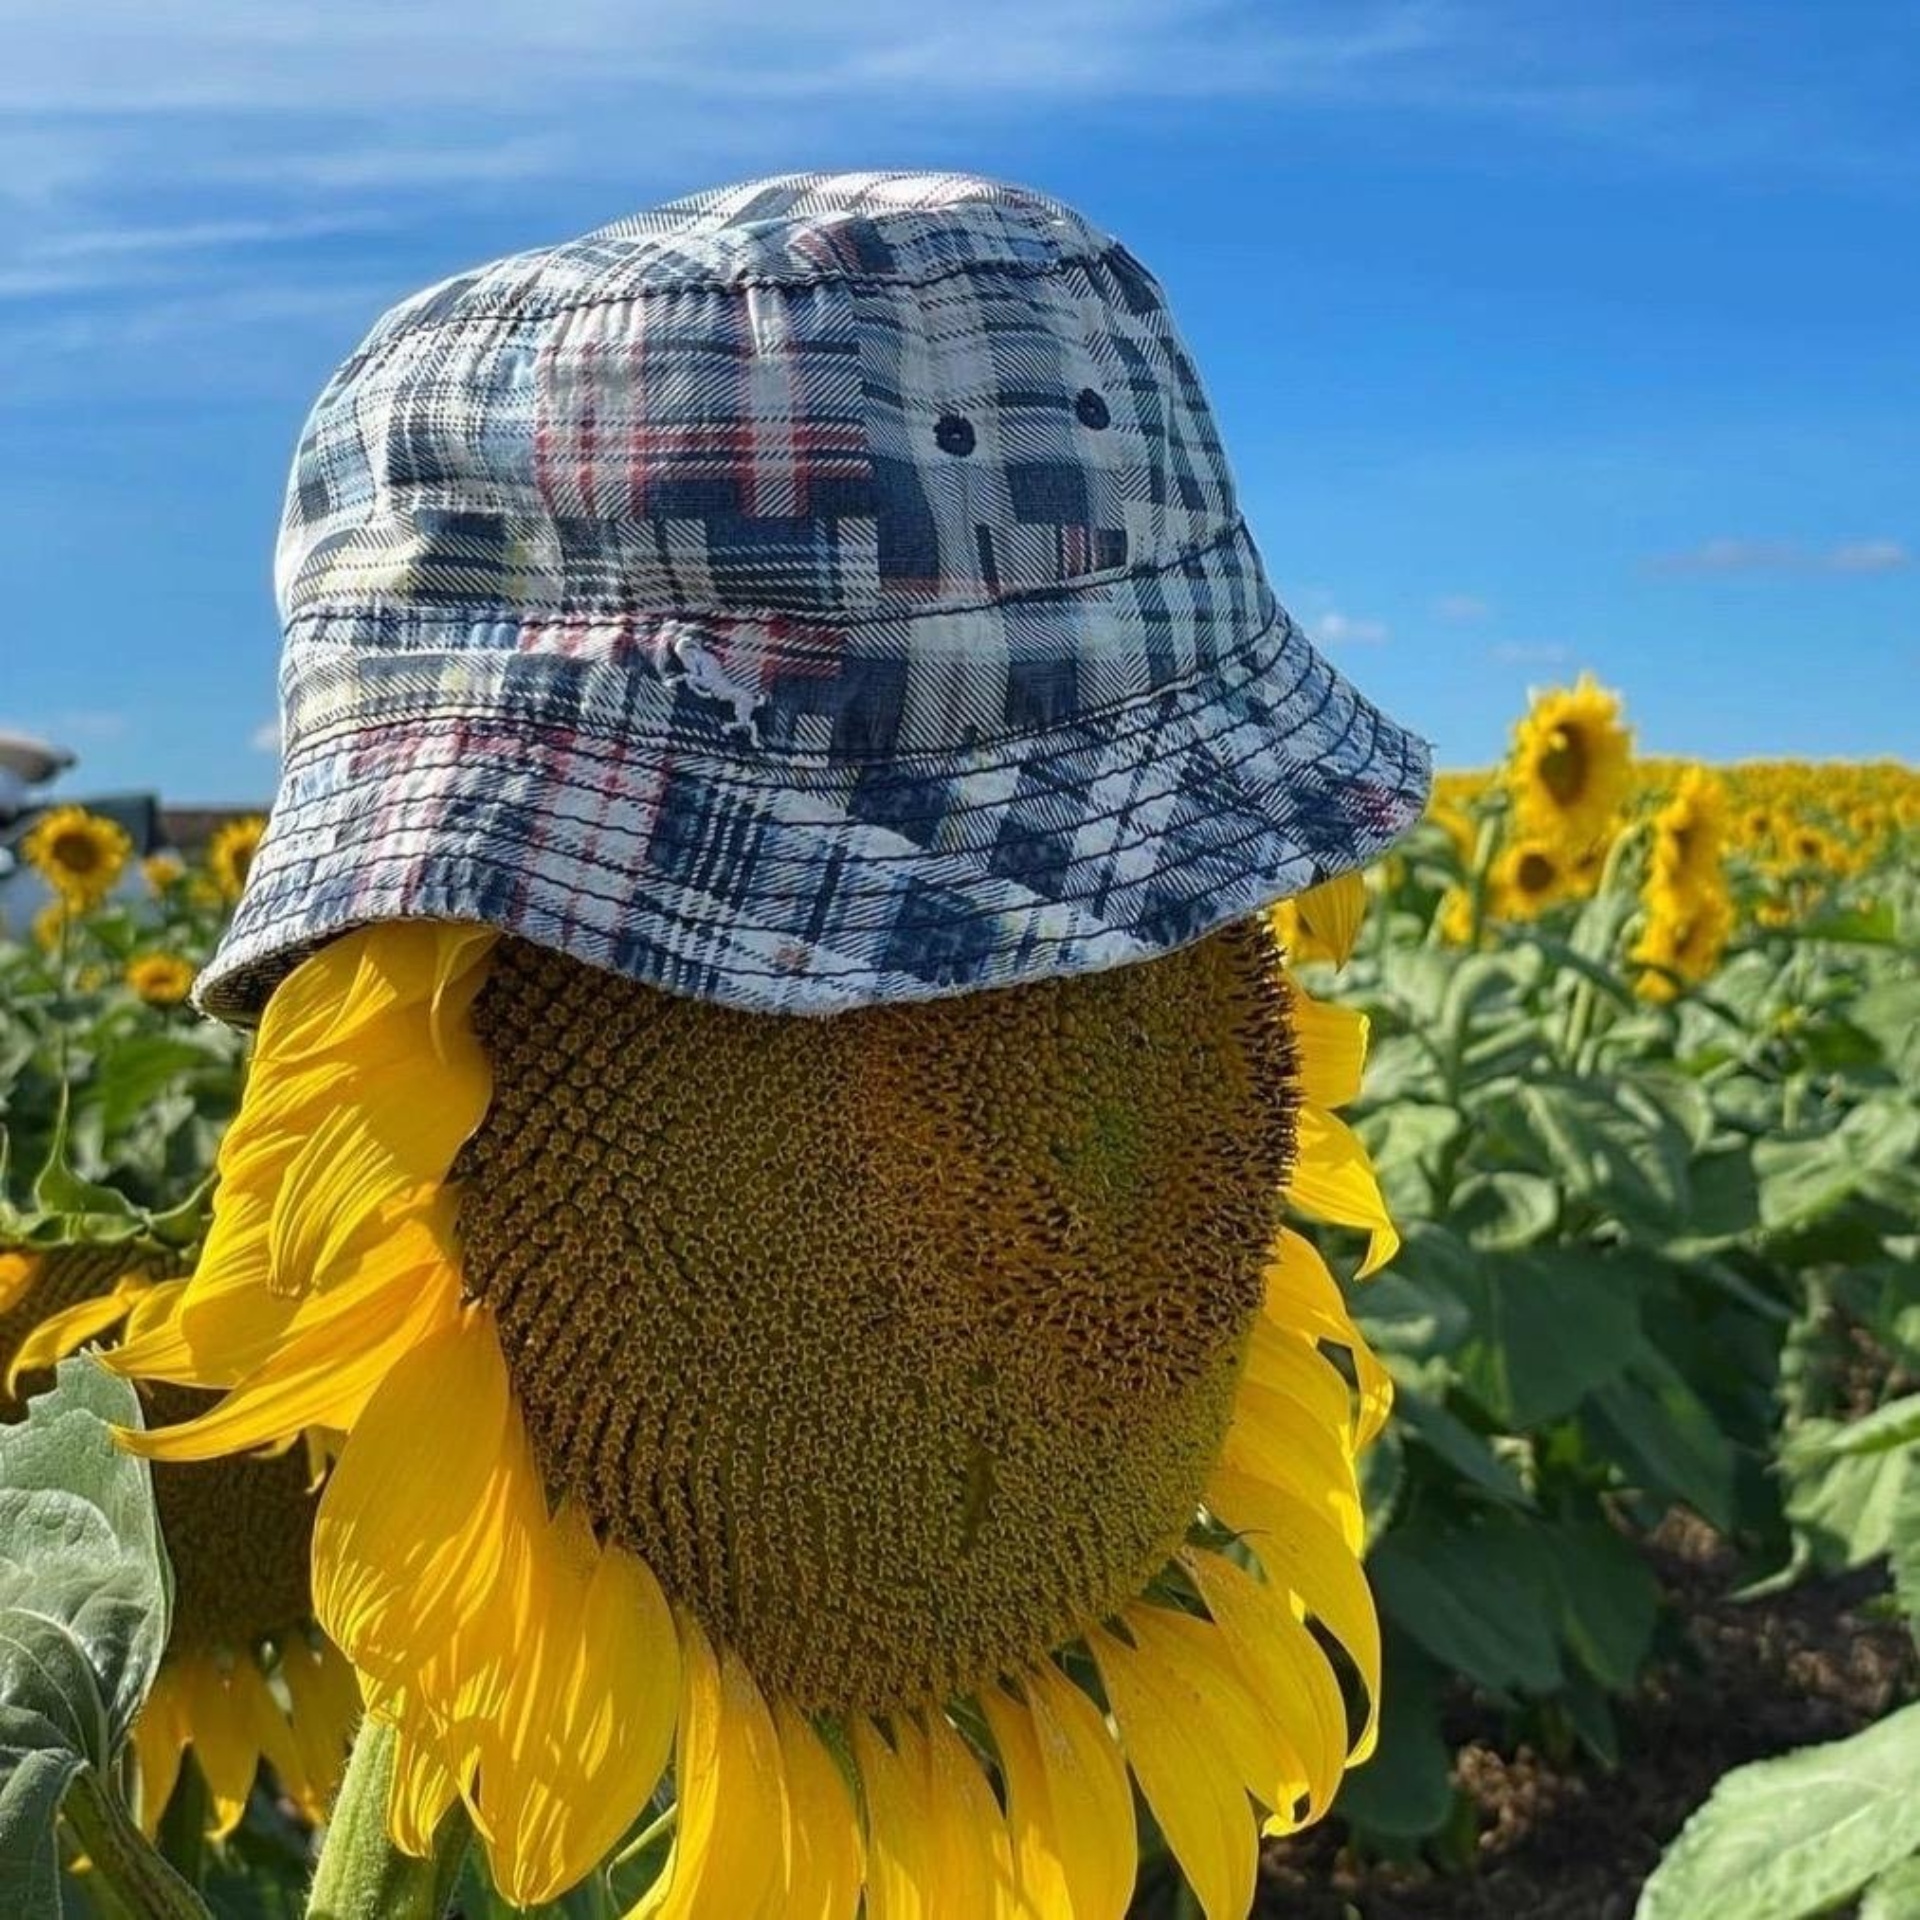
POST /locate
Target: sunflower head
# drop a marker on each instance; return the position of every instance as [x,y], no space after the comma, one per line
[1690,833]
[1684,935]
[927,1398]
[1570,764]
[1531,876]
[160,979]
[81,855]
[163,871]
[238,1534]
[230,854]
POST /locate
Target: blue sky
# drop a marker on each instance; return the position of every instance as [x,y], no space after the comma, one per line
[1545,335]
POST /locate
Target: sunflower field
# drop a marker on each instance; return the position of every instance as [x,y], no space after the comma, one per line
[1642,1528]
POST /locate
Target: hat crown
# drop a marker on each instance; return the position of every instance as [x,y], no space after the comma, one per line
[824,402]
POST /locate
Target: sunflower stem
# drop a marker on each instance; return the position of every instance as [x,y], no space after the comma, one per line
[654,1830]
[362,1875]
[120,1854]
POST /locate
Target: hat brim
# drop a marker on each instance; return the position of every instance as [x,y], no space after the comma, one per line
[818,889]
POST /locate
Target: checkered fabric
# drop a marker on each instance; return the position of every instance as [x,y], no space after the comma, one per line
[826,590]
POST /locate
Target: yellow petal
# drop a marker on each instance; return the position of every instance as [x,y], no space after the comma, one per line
[900,1851]
[1292,1443]
[1333,1180]
[1331,914]
[419,1792]
[973,1874]
[1186,1768]
[60,1333]
[332,1356]
[17,1273]
[726,1857]
[822,1850]
[1304,1553]
[583,1735]
[159,1739]
[1068,1802]
[1303,1297]
[221,1725]
[1331,1045]
[325,1710]
[1283,1667]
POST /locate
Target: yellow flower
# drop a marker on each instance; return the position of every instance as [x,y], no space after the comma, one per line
[1810,849]
[1529,877]
[820,1403]
[50,924]
[1570,764]
[163,870]
[1685,934]
[230,854]
[160,979]
[79,854]
[238,1536]
[1690,834]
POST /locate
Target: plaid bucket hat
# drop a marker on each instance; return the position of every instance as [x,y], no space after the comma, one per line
[825,590]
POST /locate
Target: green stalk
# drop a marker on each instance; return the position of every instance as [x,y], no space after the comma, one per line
[1484,850]
[362,1875]
[136,1875]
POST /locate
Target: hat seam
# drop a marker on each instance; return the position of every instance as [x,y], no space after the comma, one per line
[369,352]
[922,854]
[1115,724]
[415,613]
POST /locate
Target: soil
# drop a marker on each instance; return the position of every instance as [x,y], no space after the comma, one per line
[1565,1839]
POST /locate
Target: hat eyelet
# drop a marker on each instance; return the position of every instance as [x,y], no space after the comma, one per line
[1091,409]
[953,433]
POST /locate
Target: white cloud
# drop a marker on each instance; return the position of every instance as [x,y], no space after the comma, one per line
[1726,555]
[1462,607]
[1530,653]
[265,738]
[1870,556]
[1336,629]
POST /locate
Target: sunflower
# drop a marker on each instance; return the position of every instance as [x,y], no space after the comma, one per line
[907,1422]
[1690,835]
[1684,935]
[1806,848]
[238,1534]
[79,854]
[51,923]
[1530,877]
[163,870]
[1570,764]
[230,854]
[160,979]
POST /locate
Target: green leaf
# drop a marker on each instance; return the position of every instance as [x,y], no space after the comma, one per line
[1897,1424]
[1660,1430]
[1844,1505]
[1405,1791]
[1613,1146]
[1478,1598]
[85,1599]
[1505,1211]
[1802,1179]
[1608,1599]
[1895,1895]
[1429,1424]
[1414,1308]
[1791,1837]
[1903,1546]
[58,1189]
[1549,1327]
[1406,1142]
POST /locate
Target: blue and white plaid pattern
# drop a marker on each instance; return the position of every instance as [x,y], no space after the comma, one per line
[826,590]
